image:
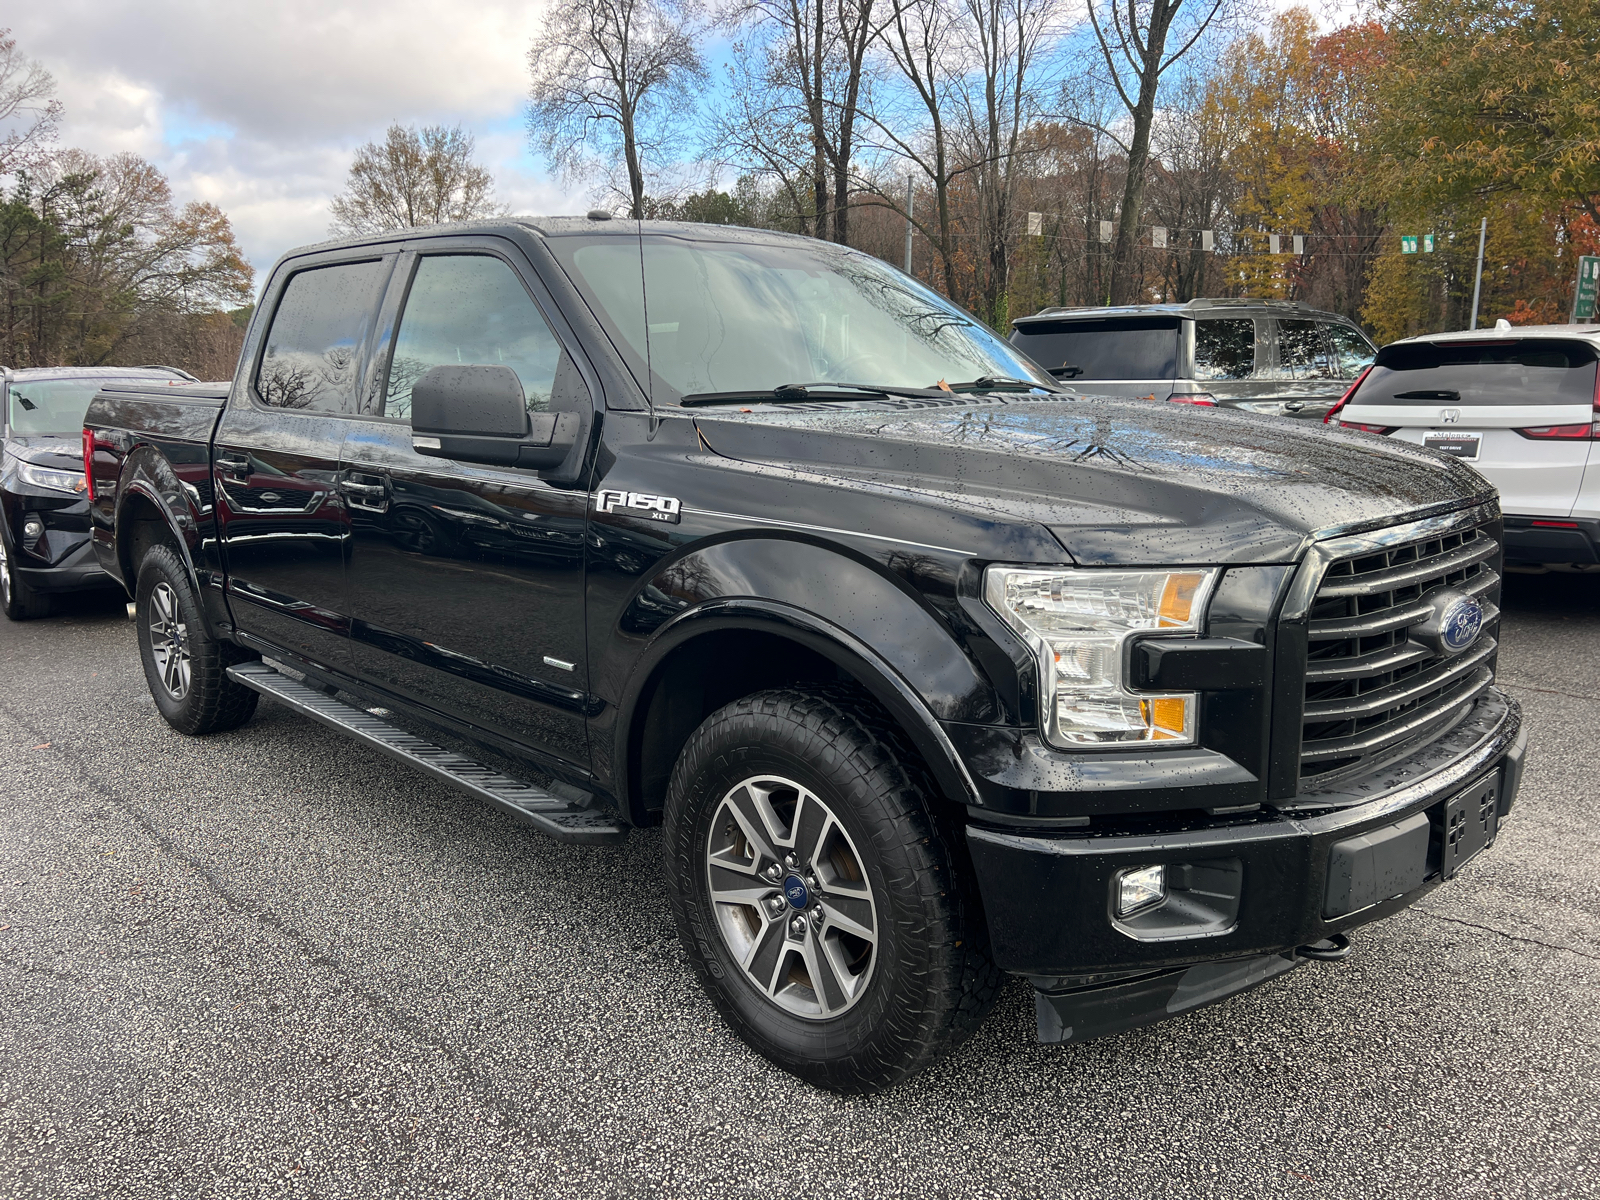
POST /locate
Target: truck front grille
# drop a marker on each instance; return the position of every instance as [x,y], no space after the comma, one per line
[1372,692]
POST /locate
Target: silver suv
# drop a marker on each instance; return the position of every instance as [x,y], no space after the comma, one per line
[1269,356]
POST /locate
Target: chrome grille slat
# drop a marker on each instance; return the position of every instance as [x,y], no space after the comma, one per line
[1396,694]
[1394,577]
[1370,690]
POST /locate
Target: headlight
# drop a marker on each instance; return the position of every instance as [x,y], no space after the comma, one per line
[1079,622]
[46,477]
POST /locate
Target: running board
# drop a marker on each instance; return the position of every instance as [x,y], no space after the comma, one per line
[561,819]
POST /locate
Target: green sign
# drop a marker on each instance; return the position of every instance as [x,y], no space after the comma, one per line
[1427,243]
[1583,301]
[1408,243]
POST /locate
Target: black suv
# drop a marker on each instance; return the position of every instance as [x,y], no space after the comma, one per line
[44,518]
[1266,356]
[612,525]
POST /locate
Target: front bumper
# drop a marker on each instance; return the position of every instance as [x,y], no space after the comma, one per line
[1247,893]
[76,571]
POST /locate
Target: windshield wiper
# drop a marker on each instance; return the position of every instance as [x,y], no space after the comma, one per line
[1426,394]
[26,403]
[996,383]
[1066,371]
[799,393]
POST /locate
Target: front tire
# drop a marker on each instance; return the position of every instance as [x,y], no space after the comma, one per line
[21,602]
[827,914]
[184,665]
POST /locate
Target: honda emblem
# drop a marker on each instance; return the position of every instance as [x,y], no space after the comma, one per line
[1449,416]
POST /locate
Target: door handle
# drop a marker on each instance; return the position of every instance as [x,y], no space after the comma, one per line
[237,465]
[365,491]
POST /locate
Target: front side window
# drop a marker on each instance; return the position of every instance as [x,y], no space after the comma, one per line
[1303,351]
[1224,348]
[1352,353]
[471,310]
[319,336]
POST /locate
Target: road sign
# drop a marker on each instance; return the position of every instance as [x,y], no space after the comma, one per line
[1408,243]
[1427,243]
[1584,299]
[1105,231]
[1035,224]
[1158,236]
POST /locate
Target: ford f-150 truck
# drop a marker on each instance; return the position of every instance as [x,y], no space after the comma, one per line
[931,673]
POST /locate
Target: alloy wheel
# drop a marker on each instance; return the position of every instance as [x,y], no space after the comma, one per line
[169,640]
[791,897]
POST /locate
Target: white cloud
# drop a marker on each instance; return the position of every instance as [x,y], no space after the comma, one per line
[258,107]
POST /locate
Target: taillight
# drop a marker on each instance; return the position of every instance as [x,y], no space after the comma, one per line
[1385,430]
[88,462]
[1198,399]
[1584,431]
[1328,416]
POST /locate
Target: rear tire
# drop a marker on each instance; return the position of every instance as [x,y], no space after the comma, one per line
[864,959]
[20,601]
[184,665]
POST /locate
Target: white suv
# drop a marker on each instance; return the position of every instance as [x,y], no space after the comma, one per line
[1522,405]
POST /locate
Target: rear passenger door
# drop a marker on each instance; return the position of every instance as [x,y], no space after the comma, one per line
[466,581]
[281,517]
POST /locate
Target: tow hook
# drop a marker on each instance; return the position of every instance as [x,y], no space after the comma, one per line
[1329,949]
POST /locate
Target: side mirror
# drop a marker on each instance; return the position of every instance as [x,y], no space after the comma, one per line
[478,413]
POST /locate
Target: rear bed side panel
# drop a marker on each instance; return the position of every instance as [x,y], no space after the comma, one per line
[152,457]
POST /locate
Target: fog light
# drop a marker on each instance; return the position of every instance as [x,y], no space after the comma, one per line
[1140,888]
[33,529]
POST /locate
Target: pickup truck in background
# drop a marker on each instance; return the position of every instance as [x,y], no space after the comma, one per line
[931,673]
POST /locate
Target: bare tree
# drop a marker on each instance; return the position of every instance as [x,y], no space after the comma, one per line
[1132,39]
[1007,37]
[413,178]
[29,111]
[610,81]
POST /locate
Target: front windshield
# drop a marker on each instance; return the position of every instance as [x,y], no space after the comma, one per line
[52,405]
[748,317]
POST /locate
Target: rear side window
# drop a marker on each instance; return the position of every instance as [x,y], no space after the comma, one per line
[1304,351]
[1109,348]
[319,336]
[1516,372]
[471,309]
[1224,348]
[1352,353]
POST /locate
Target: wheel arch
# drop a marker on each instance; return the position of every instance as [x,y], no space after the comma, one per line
[671,697]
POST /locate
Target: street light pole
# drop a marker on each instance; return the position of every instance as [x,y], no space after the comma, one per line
[1477,284]
[910,200]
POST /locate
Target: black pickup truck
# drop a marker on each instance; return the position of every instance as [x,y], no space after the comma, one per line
[930,672]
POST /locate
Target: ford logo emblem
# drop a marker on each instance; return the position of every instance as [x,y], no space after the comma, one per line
[1453,622]
[794,891]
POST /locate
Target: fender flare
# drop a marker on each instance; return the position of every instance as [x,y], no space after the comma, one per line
[178,514]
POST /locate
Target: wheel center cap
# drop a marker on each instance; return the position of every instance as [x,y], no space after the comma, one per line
[795,892]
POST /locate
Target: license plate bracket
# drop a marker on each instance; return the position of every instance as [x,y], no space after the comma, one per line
[1465,825]
[1459,445]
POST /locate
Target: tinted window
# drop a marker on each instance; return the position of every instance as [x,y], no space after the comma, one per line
[318,336]
[1303,351]
[1224,349]
[1528,371]
[57,405]
[471,309]
[1351,352]
[1108,348]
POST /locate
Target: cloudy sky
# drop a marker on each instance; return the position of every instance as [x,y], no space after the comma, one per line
[258,107]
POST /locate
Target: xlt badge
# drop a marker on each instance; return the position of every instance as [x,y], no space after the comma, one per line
[654,508]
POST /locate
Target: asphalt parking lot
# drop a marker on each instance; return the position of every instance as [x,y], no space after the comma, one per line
[272,963]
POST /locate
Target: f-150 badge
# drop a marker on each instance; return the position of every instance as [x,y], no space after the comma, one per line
[640,504]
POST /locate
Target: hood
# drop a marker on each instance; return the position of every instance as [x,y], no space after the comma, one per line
[1116,481]
[63,452]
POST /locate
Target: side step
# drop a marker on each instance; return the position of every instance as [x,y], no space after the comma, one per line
[561,819]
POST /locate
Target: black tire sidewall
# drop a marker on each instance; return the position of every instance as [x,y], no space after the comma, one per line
[163,566]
